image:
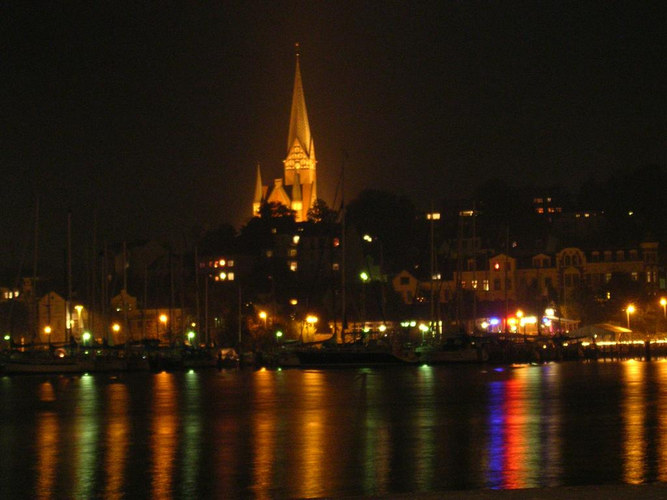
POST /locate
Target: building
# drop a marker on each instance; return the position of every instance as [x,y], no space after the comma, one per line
[543,277]
[298,189]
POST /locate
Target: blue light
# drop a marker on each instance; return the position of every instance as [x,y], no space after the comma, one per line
[494,321]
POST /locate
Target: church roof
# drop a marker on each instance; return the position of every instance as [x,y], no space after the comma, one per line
[299,127]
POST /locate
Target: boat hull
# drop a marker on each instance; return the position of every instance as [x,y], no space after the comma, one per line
[341,357]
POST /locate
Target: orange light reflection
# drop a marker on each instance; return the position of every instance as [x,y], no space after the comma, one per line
[116,440]
[164,438]
[634,444]
[47,454]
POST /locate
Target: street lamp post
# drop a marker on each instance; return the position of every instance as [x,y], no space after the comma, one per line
[663,303]
[628,311]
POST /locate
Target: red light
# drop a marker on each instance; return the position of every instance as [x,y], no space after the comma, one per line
[496,266]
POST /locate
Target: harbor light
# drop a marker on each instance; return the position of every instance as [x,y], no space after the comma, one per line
[115,327]
[163,319]
[279,334]
[310,319]
[364,276]
[47,330]
[663,303]
[85,337]
[7,337]
[191,336]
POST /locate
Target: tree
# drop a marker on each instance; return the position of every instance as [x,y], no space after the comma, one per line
[321,213]
[390,219]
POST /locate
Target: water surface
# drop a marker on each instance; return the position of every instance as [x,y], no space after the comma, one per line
[312,433]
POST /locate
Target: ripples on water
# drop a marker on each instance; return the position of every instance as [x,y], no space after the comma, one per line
[311,433]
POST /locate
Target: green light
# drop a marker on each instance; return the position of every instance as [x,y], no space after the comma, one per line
[86,336]
[279,334]
[191,335]
[7,337]
[364,276]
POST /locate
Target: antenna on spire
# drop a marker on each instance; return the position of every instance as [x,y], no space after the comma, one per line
[297,49]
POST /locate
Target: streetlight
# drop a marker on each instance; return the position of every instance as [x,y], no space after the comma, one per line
[191,337]
[628,311]
[263,315]
[47,331]
[85,337]
[663,303]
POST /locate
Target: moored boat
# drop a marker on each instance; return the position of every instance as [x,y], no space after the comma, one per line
[453,350]
[352,355]
[45,362]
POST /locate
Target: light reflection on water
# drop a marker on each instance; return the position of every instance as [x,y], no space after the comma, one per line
[308,433]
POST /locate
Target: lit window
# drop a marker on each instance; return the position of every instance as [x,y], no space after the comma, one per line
[635,276]
[292,265]
[485,285]
[292,252]
[230,276]
[335,266]
[474,283]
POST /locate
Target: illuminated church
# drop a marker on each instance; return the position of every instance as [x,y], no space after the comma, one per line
[298,190]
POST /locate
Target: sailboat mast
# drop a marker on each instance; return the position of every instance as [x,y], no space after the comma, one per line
[35,329]
[343,268]
[68,327]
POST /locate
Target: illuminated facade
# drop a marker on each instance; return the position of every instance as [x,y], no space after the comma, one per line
[298,189]
[503,278]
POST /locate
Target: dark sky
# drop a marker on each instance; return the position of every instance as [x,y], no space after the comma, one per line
[153,117]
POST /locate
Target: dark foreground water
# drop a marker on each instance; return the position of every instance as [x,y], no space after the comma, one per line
[312,433]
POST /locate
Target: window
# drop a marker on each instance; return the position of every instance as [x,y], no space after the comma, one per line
[293,265]
[508,284]
[635,276]
[405,280]
[335,266]
[607,256]
[485,285]
[607,277]
[567,260]
[496,284]
[474,283]
[620,255]
[292,252]
[575,260]
[463,284]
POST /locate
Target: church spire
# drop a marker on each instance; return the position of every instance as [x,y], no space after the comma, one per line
[298,125]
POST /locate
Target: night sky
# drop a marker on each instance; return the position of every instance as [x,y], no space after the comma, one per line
[154,118]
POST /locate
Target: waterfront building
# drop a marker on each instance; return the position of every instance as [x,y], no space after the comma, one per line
[544,278]
[297,190]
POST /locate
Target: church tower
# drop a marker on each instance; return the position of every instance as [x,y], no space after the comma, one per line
[300,162]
